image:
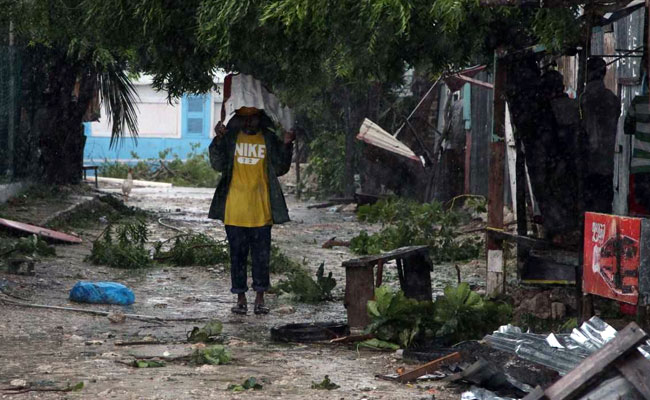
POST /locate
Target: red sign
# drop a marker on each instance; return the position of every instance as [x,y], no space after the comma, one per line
[611,257]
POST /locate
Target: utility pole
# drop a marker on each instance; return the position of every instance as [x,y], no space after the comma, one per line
[495,257]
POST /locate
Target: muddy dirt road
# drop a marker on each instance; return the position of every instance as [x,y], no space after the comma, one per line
[49,348]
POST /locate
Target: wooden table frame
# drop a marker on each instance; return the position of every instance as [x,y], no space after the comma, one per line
[414,271]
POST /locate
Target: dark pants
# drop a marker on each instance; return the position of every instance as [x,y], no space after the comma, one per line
[257,242]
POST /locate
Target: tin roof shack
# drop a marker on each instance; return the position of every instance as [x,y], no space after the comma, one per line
[448,131]
[617,37]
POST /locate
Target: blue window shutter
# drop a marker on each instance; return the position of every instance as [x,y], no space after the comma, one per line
[195,115]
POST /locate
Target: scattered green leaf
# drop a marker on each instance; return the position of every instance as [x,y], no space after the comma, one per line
[148,364]
[325,384]
[249,384]
[213,355]
[305,288]
[209,332]
[377,344]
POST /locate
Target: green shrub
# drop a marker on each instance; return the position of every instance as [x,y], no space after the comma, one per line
[213,355]
[408,223]
[327,162]
[306,289]
[459,315]
[127,250]
[280,263]
[194,171]
[193,249]
[31,246]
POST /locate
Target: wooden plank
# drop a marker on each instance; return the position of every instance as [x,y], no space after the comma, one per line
[40,231]
[359,288]
[428,367]
[572,383]
[496,176]
[636,369]
[521,240]
[468,161]
[380,273]
[402,252]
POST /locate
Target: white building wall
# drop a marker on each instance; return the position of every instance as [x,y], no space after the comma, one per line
[157,118]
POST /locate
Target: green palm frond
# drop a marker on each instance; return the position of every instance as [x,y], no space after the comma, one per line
[119,99]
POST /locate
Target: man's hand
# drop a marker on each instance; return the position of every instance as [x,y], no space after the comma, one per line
[289,136]
[219,130]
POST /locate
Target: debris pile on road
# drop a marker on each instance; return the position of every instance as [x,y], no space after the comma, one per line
[598,362]
[560,352]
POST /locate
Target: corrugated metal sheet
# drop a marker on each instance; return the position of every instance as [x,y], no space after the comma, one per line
[629,36]
[560,352]
[481,111]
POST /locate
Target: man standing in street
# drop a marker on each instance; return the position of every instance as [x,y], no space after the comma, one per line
[248,198]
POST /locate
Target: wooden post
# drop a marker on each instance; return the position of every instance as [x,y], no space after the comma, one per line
[522,216]
[495,264]
[298,155]
[359,288]
[468,160]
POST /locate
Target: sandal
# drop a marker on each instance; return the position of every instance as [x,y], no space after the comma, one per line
[261,309]
[241,309]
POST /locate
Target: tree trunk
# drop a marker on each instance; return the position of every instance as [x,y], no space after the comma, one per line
[60,90]
[350,150]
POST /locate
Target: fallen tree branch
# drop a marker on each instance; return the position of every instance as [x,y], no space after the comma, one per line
[169,171]
[353,338]
[139,342]
[171,226]
[26,390]
[102,313]
[333,242]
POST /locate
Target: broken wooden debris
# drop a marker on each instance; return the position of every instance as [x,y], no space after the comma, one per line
[413,267]
[148,318]
[429,367]
[489,376]
[569,351]
[333,242]
[352,338]
[620,353]
[45,233]
[142,342]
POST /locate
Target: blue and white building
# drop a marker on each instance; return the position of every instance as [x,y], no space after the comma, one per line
[161,125]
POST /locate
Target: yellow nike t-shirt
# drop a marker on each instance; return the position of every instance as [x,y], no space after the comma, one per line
[248,204]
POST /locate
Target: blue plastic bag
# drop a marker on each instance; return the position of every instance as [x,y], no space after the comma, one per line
[102,293]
